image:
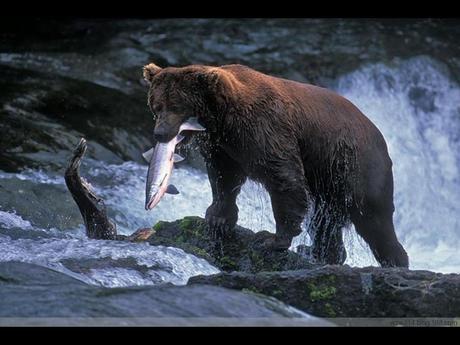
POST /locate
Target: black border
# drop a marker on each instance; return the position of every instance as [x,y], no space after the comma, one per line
[229,9]
[23,12]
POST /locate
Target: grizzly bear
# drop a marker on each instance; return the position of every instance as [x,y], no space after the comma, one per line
[314,152]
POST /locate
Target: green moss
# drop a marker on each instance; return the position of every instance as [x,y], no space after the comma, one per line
[200,252]
[329,310]
[192,226]
[186,223]
[191,223]
[228,263]
[180,239]
[158,225]
[319,293]
[331,278]
[251,289]
[219,280]
[256,259]
[277,293]
[276,266]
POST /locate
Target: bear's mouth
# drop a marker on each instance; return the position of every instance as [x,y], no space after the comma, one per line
[161,160]
[188,135]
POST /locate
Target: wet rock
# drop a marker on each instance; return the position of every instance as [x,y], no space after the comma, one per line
[242,249]
[103,271]
[29,290]
[37,203]
[88,264]
[43,117]
[64,79]
[343,291]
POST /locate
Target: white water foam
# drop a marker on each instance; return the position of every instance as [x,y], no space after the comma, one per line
[417,108]
[124,192]
[153,264]
[10,220]
[122,188]
[414,104]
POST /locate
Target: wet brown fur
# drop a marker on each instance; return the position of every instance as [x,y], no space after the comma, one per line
[313,150]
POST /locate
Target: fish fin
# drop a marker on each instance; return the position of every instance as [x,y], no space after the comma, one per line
[180,138]
[148,155]
[172,189]
[192,125]
[178,158]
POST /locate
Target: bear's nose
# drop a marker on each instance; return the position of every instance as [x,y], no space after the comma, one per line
[161,134]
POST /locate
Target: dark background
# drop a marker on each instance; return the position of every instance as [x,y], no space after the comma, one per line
[67,77]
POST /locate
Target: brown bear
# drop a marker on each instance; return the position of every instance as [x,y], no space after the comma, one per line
[312,149]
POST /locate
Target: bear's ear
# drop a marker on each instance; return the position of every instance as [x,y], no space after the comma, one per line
[222,83]
[150,71]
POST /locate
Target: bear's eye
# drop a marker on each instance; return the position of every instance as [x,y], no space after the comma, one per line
[157,108]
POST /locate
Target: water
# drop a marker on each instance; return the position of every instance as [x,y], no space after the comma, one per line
[415,104]
[61,250]
[417,107]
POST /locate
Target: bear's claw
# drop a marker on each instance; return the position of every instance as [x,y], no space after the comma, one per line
[217,227]
[220,219]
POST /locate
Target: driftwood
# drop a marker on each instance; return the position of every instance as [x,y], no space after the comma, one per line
[92,208]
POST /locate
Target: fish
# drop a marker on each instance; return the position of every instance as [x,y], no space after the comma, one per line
[161,160]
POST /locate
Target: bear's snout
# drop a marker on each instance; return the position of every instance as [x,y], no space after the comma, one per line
[162,135]
[164,132]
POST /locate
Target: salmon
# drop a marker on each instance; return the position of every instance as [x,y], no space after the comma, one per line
[161,160]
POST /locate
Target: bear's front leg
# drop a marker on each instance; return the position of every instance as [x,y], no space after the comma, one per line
[226,178]
[290,200]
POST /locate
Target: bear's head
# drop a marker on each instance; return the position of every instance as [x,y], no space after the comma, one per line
[178,93]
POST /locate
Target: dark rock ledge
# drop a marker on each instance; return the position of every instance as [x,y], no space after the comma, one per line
[325,291]
[35,295]
[343,291]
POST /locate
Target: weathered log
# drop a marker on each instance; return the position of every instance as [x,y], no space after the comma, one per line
[92,208]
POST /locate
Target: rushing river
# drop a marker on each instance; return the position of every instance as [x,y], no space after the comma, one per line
[413,101]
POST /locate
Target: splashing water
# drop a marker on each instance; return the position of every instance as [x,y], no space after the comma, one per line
[417,108]
[148,265]
[413,102]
